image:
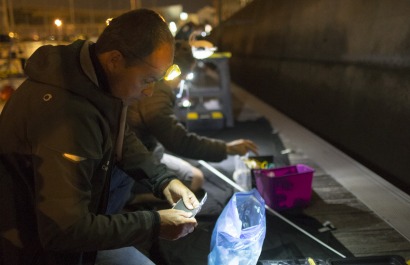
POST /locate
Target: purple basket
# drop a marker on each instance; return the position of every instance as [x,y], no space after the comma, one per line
[285,187]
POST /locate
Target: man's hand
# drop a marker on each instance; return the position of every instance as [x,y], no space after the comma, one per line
[175,224]
[241,147]
[176,190]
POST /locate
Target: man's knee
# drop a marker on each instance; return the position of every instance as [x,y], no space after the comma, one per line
[122,256]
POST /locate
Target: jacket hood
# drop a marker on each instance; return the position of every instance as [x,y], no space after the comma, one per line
[60,66]
[70,67]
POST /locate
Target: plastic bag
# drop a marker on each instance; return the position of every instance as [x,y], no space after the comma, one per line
[242,174]
[240,230]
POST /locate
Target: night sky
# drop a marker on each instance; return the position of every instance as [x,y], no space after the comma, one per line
[190,6]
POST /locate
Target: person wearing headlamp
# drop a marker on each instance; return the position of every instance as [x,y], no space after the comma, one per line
[68,160]
[154,122]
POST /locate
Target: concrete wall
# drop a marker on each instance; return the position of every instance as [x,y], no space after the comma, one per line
[339,67]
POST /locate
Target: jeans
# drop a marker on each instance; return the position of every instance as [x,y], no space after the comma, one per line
[122,256]
[120,190]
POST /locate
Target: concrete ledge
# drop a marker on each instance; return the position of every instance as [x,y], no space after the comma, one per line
[387,201]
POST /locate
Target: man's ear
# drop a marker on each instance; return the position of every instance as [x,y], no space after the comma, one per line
[114,59]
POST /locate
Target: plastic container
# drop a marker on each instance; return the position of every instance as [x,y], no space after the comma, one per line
[267,161]
[262,162]
[285,187]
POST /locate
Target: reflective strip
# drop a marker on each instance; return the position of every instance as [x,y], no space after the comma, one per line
[217,115]
[74,158]
[192,116]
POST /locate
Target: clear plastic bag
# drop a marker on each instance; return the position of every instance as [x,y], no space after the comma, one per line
[242,174]
[239,232]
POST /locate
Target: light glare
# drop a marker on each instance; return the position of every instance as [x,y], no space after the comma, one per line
[173,27]
[183,16]
[190,76]
[58,22]
[208,28]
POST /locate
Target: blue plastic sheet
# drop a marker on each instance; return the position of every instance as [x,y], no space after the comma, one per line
[240,230]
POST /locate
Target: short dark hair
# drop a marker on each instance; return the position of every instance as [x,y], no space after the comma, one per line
[183,56]
[136,34]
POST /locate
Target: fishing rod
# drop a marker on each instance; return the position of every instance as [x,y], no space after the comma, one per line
[237,187]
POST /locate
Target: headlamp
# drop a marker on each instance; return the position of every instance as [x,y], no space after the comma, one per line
[172,72]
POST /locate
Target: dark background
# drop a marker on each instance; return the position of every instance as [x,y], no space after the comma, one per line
[340,68]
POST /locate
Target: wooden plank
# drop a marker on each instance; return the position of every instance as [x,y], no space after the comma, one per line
[358,228]
[373,242]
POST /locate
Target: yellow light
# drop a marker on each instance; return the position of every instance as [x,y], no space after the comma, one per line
[58,22]
[192,116]
[107,22]
[172,72]
[311,261]
[217,115]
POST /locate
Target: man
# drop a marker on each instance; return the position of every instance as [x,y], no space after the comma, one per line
[62,136]
[154,122]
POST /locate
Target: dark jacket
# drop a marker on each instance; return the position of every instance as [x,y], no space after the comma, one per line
[153,120]
[57,135]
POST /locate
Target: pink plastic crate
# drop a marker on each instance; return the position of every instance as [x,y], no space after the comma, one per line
[285,187]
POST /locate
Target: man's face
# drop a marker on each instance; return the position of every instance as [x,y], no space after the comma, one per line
[137,81]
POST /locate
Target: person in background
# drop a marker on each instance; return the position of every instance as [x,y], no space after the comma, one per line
[68,160]
[186,30]
[154,122]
